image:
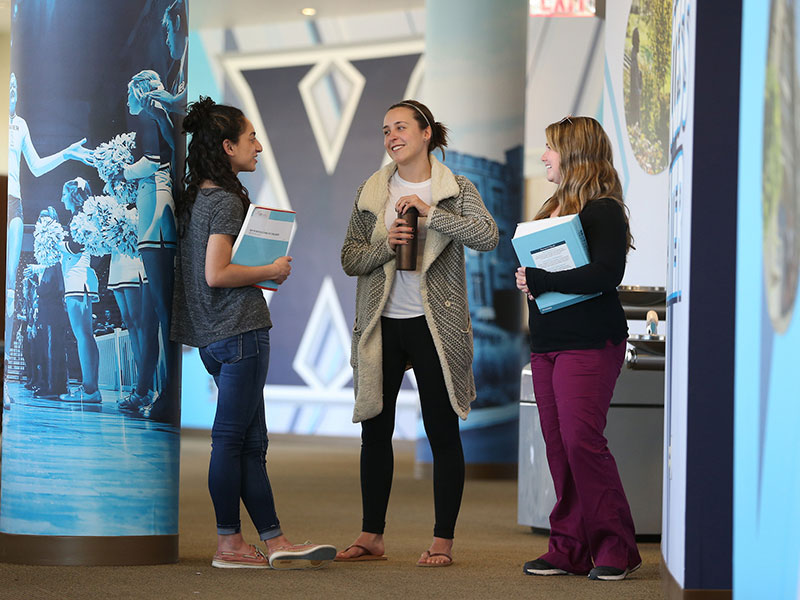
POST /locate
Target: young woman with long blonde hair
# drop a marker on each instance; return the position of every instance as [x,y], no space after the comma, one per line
[576,356]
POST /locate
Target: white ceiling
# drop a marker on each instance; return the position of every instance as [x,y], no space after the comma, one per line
[214,13]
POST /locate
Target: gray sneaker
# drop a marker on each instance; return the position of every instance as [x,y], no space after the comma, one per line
[542,567]
[81,396]
[133,402]
[611,573]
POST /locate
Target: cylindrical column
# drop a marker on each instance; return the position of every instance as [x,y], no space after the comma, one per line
[91,408]
[475,84]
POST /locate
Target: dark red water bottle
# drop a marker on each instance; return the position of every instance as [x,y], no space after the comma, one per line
[407,253]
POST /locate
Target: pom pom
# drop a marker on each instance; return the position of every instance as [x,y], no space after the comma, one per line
[110,158]
[104,226]
[48,235]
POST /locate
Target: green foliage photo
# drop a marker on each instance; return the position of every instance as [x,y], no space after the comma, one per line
[646,81]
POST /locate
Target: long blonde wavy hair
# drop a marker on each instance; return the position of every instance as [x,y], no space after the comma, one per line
[586,167]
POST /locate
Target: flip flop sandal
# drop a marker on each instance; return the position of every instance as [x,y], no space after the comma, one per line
[366,555]
[429,554]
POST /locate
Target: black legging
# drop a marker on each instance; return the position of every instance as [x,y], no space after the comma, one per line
[409,341]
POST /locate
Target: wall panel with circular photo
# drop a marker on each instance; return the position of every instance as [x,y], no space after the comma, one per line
[780,176]
[646,81]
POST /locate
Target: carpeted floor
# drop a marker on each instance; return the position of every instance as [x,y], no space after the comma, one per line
[317,492]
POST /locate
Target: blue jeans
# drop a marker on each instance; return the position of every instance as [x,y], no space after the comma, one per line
[239,436]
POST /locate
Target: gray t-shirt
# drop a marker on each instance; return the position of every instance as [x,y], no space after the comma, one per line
[202,314]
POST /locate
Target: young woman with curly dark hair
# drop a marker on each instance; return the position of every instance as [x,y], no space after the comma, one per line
[217,309]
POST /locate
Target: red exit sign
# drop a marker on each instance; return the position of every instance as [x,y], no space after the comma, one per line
[563,8]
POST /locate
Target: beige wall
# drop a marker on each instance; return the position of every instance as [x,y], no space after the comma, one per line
[565,76]
[5,57]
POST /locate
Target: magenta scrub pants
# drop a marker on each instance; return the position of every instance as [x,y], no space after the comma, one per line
[591,518]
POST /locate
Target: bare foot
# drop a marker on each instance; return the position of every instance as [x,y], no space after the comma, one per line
[373,542]
[232,543]
[276,543]
[439,553]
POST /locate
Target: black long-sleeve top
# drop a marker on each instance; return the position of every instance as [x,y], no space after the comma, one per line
[593,322]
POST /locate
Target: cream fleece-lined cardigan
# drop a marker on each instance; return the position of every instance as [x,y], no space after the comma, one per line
[457,218]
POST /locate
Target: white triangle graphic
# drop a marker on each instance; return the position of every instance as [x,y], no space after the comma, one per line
[331,149]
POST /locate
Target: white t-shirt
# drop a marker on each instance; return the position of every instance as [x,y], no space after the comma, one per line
[405,299]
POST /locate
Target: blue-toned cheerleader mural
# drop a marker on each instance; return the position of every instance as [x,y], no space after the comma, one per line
[20,145]
[91,390]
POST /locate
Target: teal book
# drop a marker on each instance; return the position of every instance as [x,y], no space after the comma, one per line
[263,238]
[554,244]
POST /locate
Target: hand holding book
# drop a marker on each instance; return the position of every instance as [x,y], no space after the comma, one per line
[551,245]
[283,267]
[522,282]
[264,240]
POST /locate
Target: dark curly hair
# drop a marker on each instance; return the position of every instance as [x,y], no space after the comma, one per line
[210,125]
